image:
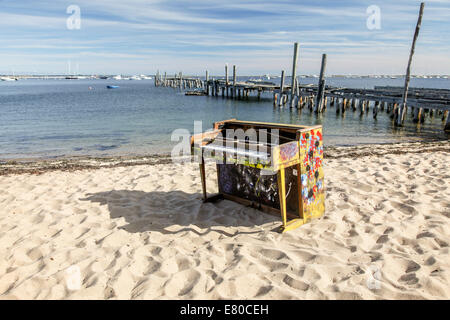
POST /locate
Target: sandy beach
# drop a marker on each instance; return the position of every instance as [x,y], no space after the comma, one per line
[141,231]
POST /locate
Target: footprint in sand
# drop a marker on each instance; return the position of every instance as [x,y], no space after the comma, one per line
[412,267]
[404,208]
[383,239]
[182,283]
[409,279]
[295,283]
[430,261]
[425,234]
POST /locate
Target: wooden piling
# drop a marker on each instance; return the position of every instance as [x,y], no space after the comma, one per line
[226,80]
[294,72]
[321,84]
[418,115]
[375,109]
[226,74]
[282,86]
[447,124]
[343,105]
[207,83]
[234,82]
[361,106]
[402,111]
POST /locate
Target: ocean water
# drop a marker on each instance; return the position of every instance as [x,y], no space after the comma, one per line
[57,118]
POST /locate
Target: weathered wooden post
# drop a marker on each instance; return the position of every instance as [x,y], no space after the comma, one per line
[447,124]
[344,105]
[402,109]
[361,106]
[353,104]
[234,82]
[226,78]
[207,83]
[418,115]
[321,85]
[281,87]
[375,109]
[226,73]
[294,73]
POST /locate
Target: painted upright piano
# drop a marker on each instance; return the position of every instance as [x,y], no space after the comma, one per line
[276,168]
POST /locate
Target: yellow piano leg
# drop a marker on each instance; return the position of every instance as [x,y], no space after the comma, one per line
[203,177]
[282,194]
[295,223]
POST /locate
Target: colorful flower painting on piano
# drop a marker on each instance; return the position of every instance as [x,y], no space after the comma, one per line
[288,152]
[312,186]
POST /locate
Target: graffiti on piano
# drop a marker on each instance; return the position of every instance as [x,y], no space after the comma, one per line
[313,196]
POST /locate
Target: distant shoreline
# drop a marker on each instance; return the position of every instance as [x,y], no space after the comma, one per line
[272,76]
[74,163]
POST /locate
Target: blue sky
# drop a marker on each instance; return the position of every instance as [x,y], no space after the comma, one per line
[137,36]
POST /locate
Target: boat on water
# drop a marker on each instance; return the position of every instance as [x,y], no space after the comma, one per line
[118,77]
[8,79]
[260,81]
[195,93]
[112,87]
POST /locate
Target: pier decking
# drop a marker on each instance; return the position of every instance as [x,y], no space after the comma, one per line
[394,100]
[420,101]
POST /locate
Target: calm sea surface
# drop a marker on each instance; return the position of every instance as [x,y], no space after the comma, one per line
[52,118]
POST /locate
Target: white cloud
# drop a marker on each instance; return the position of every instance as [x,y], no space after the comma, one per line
[179,35]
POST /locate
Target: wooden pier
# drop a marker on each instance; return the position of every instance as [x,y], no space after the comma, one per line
[316,98]
[396,101]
